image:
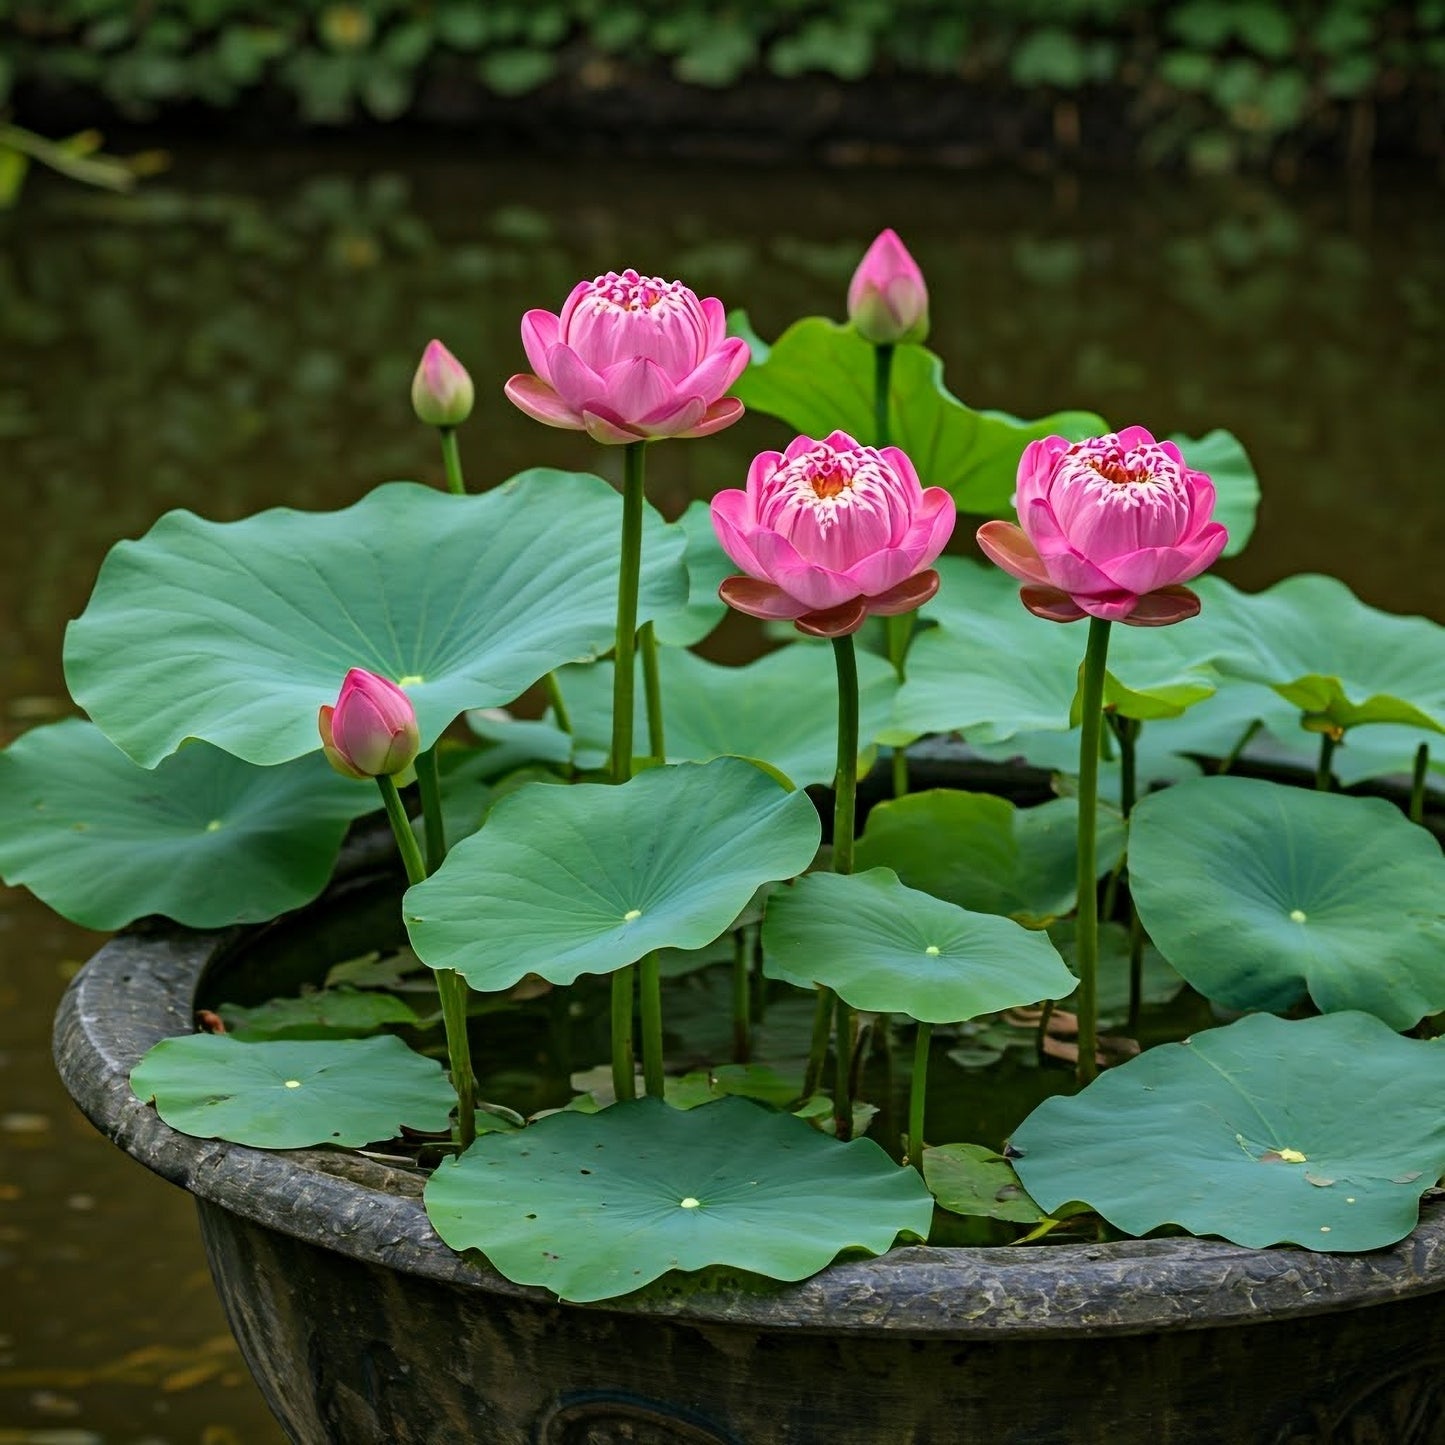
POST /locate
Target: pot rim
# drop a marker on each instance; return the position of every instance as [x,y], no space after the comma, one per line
[142,985]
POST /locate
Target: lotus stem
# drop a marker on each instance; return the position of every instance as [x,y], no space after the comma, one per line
[555,701]
[1323,778]
[818,1048]
[452,460]
[1237,751]
[917,1095]
[843,1072]
[742,998]
[1127,730]
[652,687]
[624,1077]
[649,980]
[428,783]
[1086,932]
[1417,783]
[451,986]
[845,808]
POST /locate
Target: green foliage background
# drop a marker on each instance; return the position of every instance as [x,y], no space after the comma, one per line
[1215,81]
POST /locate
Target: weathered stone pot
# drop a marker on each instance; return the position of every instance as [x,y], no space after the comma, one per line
[364,1329]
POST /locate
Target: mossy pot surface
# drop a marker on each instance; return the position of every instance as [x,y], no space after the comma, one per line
[363,1328]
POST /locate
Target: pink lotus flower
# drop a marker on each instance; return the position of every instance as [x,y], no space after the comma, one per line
[1109,528]
[441,390]
[887,298]
[629,359]
[372,730]
[829,532]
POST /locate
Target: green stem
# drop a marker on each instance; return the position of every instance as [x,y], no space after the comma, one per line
[429,784]
[742,998]
[1323,779]
[818,1048]
[917,1093]
[1417,783]
[652,686]
[452,460]
[845,780]
[843,1072]
[882,384]
[1087,928]
[649,984]
[451,987]
[624,1082]
[553,689]
[1235,753]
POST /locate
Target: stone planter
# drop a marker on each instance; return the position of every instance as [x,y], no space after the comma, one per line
[364,1329]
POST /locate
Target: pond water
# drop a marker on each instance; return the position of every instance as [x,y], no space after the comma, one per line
[242,334]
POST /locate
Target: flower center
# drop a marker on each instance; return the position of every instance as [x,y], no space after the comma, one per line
[630,291]
[827,484]
[1113,476]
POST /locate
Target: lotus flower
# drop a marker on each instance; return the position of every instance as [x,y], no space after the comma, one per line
[1109,528]
[372,731]
[441,390]
[631,358]
[829,532]
[887,298]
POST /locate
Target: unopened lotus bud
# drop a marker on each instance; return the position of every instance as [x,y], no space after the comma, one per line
[887,298]
[441,390]
[372,731]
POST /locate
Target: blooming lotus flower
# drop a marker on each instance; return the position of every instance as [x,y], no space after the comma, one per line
[1109,528]
[631,358]
[372,731]
[829,532]
[887,297]
[441,390]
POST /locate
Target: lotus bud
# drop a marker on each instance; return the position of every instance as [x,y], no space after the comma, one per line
[887,298]
[372,731]
[441,391]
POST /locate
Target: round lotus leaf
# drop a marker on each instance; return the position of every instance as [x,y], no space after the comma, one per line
[593,1206]
[1236,486]
[780,709]
[587,879]
[325,1013]
[891,949]
[237,632]
[981,852]
[291,1094]
[1322,1132]
[205,838]
[1259,894]
[707,565]
[1320,648]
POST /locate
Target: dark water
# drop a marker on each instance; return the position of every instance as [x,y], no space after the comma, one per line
[243,333]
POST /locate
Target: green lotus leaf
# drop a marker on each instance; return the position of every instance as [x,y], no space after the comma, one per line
[983,853]
[290,1094]
[1339,662]
[780,709]
[973,1180]
[593,1206]
[237,632]
[1221,454]
[888,948]
[818,377]
[1322,1132]
[205,838]
[707,565]
[587,879]
[322,1014]
[992,670]
[1260,894]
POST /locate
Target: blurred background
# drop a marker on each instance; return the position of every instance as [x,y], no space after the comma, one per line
[230,227]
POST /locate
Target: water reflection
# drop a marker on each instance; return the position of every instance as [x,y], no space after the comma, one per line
[244,335]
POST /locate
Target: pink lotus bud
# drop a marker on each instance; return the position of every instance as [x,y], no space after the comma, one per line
[372,730]
[887,297]
[829,532]
[1109,528]
[631,358]
[441,390]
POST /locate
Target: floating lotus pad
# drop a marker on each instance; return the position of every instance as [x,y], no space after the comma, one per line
[982,853]
[891,949]
[290,1094]
[587,879]
[1323,1132]
[1341,663]
[1259,894]
[752,711]
[818,377]
[970,1179]
[325,1013]
[593,1206]
[204,839]
[237,632]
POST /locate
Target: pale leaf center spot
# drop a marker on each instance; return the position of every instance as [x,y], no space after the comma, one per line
[412,679]
[932,950]
[293,1083]
[689,1202]
[631,914]
[1298,915]
[214,826]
